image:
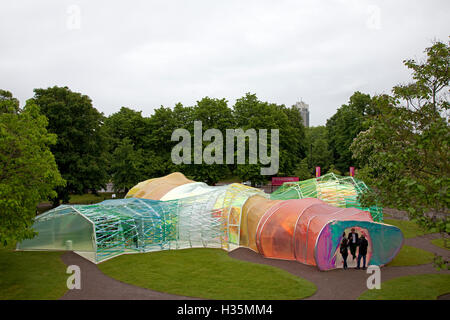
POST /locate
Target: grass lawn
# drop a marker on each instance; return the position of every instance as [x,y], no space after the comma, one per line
[410,229]
[411,256]
[440,243]
[90,198]
[418,287]
[87,198]
[31,275]
[231,179]
[206,273]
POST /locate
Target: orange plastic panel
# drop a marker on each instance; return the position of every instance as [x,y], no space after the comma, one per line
[275,236]
[252,211]
[290,229]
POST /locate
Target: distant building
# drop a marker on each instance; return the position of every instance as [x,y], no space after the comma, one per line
[304,111]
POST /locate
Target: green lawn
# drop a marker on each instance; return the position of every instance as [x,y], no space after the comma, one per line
[411,256]
[89,198]
[410,229]
[440,243]
[206,273]
[231,179]
[31,275]
[418,287]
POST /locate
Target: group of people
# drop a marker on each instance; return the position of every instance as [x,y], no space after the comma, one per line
[353,241]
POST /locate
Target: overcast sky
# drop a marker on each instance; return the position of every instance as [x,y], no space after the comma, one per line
[144,54]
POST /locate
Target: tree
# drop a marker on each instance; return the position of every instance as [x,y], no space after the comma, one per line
[293,141]
[303,171]
[332,169]
[161,125]
[8,104]
[127,124]
[127,166]
[213,114]
[319,153]
[128,135]
[344,126]
[81,149]
[405,151]
[251,113]
[28,172]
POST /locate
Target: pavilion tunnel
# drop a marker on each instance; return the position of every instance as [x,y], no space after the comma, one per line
[310,231]
[337,259]
[174,212]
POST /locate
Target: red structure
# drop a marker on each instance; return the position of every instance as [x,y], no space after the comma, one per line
[278,181]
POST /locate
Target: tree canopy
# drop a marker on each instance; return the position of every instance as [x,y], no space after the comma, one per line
[319,153]
[405,151]
[81,149]
[251,113]
[141,147]
[344,126]
[28,171]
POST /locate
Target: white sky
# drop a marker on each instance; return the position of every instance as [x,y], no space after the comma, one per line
[143,54]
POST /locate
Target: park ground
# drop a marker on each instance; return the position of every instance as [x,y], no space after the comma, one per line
[214,274]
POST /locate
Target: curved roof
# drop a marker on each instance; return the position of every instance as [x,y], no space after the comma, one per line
[336,190]
[174,212]
[188,190]
[156,188]
[310,231]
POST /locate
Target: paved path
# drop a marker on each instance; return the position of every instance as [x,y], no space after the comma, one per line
[334,284]
[424,242]
[97,286]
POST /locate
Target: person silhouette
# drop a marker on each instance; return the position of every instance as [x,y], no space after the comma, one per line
[344,250]
[353,242]
[362,252]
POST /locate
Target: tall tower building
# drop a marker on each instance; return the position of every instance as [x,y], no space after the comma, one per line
[304,111]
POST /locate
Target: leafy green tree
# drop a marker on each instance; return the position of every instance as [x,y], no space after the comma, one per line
[81,149]
[127,132]
[161,125]
[303,171]
[127,124]
[8,104]
[251,113]
[332,169]
[405,151]
[319,153]
[28,172]
[292,140]
[345,125]
[127,166]
[139,149]
[213,114]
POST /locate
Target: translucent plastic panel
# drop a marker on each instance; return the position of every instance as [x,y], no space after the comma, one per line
[188,190]
[155,189]
[235,197]
[385,242]
[218,217]
[276,236]
[252,211]
[68,231]
[311,223]
[336,190]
